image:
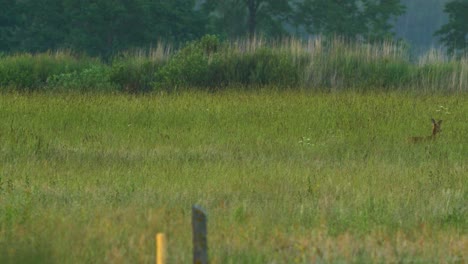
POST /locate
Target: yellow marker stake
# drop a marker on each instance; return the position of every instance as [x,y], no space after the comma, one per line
[160,248]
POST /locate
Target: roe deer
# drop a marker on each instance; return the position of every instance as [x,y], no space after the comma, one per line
[435,129]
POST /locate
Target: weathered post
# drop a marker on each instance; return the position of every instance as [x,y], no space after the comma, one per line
[200,244]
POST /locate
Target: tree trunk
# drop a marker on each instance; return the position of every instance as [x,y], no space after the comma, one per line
[252,6]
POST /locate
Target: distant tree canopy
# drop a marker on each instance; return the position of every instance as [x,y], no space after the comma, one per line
[418,24]
[8,23]
[369,19]
[104,27]
[235,18]
[97,27]
[454,34]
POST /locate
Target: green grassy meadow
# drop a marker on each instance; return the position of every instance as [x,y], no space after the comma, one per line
[285,176]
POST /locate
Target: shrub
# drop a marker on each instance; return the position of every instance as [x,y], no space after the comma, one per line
[272,66]
[30,72]
[134,74]
[209,63]
[95,78]
[134,71]
[190,66]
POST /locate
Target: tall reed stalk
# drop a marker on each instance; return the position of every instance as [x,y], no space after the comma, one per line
[319,63]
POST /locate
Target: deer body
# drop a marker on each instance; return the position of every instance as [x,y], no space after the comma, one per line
[435,129]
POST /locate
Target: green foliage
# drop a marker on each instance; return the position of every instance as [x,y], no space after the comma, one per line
[267,66]
[41,26]
[188,67]
[352,71]
[104,28]
[322,64]
[30,72]
[209,63]
[418,24]
[134,74]
[34,251]
[8,22]
[98,28]
[342,65]
[454,34]
[435,75]
[96,78]
[191,66]
[239,18]
[368,19]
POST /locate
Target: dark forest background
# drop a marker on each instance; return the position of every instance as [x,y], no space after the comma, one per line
[105,27]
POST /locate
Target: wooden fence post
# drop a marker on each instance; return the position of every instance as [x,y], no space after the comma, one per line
[200,244]
[160,248]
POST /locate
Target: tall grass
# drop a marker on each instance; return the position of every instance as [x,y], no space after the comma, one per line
[135,70]
[338,64]
[436,70]
[31,71]
[286,177]
[327,64]
[323,64]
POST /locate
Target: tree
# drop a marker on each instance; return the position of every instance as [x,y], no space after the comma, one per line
[370,19]
[454,34]
[421,19]
[41,25]
[236,18]
[225,18]
[96,27]
[266,13]
[103,27]
[8,24]
[176,20]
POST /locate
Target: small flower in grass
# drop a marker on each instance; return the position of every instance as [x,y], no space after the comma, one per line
[443,109]
[305,141]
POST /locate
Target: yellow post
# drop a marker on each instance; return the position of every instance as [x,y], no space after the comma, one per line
[160,248]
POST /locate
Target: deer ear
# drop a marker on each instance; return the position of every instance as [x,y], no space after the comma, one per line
[440,122]
[433,120]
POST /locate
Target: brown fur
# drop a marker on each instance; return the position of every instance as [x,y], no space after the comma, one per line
[435,129]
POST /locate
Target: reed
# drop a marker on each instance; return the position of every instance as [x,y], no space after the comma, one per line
[325,64]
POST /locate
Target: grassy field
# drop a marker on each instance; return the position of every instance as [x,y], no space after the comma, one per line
[286,177]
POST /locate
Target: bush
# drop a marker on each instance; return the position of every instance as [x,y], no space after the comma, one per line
[30,72]
[95,78]
[191,66]
[134,71]
[270,66]
[134,74]
[209,63]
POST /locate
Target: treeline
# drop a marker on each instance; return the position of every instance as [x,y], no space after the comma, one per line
[418,24]
[106,27]
[96,27]
[326,64]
